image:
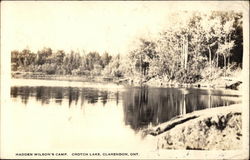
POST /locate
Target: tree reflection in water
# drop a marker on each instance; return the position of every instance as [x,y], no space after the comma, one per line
[142,106]
[72,94]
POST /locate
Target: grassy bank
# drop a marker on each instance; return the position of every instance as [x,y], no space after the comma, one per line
[209,129]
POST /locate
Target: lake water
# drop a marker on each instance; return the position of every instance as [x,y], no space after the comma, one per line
[62,115]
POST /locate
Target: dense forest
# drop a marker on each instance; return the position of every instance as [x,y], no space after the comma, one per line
[193,47]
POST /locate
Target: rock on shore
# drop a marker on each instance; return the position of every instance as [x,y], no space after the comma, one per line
[211,129]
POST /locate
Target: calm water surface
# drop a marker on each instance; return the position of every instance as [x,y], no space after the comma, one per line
[85,115]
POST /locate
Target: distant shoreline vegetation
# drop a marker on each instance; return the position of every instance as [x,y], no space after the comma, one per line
[201,47]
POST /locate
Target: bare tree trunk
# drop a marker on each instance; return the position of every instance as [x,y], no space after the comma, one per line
[225,61]
[225,64]
[183,53]
[228,61]
[229,40]
[210,59]
[217,60]
[140,68]
[186,52]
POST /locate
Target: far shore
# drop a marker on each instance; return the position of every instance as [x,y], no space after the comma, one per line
[220,83]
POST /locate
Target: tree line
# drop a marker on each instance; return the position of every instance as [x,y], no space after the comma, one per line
[59,62]
[199,46]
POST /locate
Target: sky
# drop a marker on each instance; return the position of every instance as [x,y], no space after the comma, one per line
[87,26]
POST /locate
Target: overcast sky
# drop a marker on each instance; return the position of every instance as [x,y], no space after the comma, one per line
[92,26]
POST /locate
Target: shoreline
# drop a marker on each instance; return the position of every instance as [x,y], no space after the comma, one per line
[205,84]
[209,129]
[59,78]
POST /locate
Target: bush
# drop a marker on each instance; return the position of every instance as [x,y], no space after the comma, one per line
[49,68]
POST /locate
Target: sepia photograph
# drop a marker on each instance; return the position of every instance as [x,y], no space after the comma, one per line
[124,80]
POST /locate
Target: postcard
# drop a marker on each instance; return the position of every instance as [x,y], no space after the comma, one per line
[124,80]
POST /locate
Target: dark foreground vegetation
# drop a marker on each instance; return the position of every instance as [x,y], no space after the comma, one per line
[191,49]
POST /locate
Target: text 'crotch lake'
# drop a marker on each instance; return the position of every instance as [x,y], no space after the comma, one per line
[97,115]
